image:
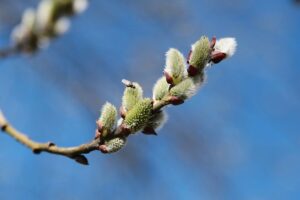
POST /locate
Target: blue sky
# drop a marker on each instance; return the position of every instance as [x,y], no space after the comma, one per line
[238,138]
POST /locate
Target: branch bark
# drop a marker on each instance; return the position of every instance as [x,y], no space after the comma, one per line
[71,152]
[75,152]
[5,52]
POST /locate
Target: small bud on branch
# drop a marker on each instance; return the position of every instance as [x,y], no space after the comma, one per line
[138,116]
[132,95]
[175,67]
[137,113]
[107,120]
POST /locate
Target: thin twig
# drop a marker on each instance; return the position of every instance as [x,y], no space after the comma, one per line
[4,53]
[71,152]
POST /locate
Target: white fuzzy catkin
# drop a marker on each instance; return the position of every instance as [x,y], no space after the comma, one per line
[25,27]
[175,65]
[108,117]
[200,54]
[47,21]
[185,89]
[62,26]
[160,89]
[44,13]
[132,95]
[226,45]
[80,5]
[158,120]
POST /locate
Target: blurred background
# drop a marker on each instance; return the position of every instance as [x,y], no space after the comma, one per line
[237,139]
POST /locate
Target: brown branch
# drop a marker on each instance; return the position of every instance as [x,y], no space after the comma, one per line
[4,53]
[71,152]
[77,151]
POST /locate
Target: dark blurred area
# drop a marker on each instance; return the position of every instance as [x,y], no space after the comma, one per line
[238,138]
[297,2]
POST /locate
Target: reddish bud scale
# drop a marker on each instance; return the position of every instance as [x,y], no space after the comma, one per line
[217,56]
[99,125]
[213,42]
[125,129]
[97,134]
[103,148]
[98,129]
[192,71]
[176,101]
[169,79]
[122,112]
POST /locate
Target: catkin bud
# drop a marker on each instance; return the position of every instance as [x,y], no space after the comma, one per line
[160,89]
[47,21]
[107,119]
[50,12]
[199,56]
[23,34]
[132,95]
[156,121]
[185,89]
[80,5]
[223,48]
[113,145]
[138,116]
[61,26]
[175,67]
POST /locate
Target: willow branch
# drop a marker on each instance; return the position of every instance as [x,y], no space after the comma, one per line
[9,51]
[138,113]
[47,21]
[49,147]
[71,152]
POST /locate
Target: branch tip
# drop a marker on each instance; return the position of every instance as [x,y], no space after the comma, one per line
[3,122]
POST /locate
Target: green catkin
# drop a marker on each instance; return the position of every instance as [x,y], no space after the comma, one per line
[157,120]
[132,95]
[201,51]
[139,115]
[108,118]
[175,65]
[185,89]
[160,89]
[115,144]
